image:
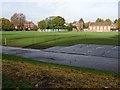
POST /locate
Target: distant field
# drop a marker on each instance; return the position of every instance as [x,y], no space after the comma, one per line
[34,39]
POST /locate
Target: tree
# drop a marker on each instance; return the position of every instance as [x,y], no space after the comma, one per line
[42,24]
[6,25]
[55,22]
[118,23]
[70,27]
[18,19]
[99,20]
[58,22]
[86,25]
[108,20]
[115,21]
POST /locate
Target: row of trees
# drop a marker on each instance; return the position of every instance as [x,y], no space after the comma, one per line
[116,21]
[54,22]
[102,20]
[16,22]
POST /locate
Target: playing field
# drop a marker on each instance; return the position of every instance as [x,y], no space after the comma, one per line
[35,39]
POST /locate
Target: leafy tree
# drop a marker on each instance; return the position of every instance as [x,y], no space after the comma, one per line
[42,24]
[108,20]
[99,20]
[58,22]
[70,27]
[6,25]
[55,22]
[18,19]
[49,22]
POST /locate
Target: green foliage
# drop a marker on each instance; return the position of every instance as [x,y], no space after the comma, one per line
[42,24]
[55,22]
[6,24]
[70,27]
[108,20]
[99,20]
[58,22]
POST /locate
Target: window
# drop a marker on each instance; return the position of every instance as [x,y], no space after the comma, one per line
[97,28]
[94,28]
[90,28]
[101,28]
[105,28]
[108,27]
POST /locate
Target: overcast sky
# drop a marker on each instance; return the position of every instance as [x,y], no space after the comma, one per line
[71,10]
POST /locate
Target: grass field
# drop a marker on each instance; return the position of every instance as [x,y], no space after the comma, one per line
[34,39]
[26,73]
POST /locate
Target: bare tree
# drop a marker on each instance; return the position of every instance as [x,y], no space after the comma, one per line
[18,19]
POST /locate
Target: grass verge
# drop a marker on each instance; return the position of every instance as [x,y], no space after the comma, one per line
[47,75]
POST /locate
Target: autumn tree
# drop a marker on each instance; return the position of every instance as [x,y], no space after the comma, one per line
[118,23]
[6,25]
[18,19]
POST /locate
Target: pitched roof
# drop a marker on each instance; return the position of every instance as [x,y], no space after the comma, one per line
[100,24]
[81,20]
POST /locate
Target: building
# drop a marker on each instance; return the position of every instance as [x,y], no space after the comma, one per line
[101,27]
[28,25]
[79,25]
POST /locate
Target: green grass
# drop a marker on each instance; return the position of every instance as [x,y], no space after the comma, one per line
[34,39]
[26,73]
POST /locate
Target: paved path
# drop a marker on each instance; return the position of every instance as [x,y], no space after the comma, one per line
[77,55]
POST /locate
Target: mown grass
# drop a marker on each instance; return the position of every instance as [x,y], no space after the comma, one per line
[34,39]
[47,75]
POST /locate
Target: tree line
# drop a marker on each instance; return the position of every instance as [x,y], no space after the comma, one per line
[17,21]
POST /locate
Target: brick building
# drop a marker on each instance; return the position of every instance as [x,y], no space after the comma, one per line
[28,25]
[101,27]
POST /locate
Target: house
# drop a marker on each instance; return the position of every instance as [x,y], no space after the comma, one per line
[28,25]
[79,25]
[101,27]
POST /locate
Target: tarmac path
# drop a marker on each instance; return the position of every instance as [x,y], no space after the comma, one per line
[100,57]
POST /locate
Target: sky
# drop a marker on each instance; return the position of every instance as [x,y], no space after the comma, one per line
[71,10]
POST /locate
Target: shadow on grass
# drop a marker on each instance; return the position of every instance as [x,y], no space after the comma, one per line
[69,42]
